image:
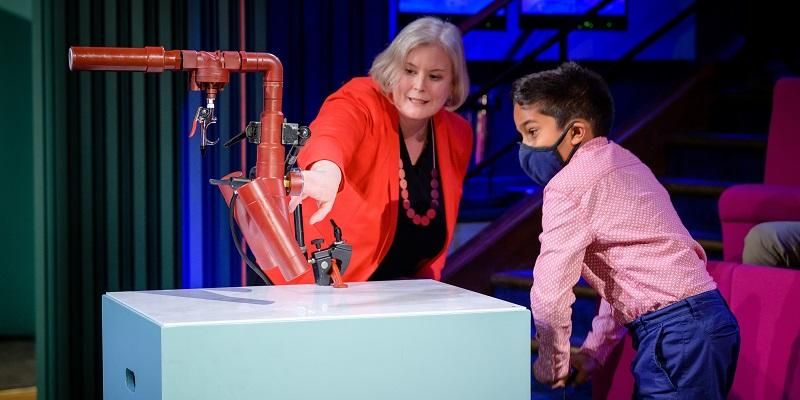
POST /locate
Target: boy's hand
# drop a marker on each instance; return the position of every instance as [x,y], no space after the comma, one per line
[584,366]
[559,384]
[554,384]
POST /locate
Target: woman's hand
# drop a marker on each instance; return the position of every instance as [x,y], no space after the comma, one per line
[321,183]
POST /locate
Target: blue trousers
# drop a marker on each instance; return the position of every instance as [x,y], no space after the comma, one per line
[687,350]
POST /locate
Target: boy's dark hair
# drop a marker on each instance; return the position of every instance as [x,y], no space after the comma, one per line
[568,92]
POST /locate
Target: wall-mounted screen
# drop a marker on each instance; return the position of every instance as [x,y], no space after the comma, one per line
[455,11]
[539,14]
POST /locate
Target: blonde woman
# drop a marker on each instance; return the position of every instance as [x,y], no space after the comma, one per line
[387,157]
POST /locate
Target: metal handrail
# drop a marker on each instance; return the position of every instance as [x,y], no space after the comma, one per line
[482,15]
[650,39]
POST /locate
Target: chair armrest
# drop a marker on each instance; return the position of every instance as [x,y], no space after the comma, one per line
[743,206]
[755,203]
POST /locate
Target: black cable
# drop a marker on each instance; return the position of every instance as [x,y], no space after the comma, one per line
[250,263]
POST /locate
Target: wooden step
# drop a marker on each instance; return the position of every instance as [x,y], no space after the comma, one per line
[29,393]
[695,187]
[754,141]
[711,241]
[523,280]
[710,245]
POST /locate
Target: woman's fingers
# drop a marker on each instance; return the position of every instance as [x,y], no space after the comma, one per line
[324,209]
[295,201]
[320,183]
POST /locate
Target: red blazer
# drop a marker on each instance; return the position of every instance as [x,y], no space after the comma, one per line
[357,130]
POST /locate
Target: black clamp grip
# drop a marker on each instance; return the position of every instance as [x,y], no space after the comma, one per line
[323,259]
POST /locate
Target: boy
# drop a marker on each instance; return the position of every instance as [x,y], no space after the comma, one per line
[607,218]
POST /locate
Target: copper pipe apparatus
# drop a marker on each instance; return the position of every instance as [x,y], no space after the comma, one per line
[261,210]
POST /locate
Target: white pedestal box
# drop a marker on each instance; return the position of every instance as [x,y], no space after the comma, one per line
[415,339]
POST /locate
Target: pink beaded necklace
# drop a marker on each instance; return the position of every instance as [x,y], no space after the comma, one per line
[429,215]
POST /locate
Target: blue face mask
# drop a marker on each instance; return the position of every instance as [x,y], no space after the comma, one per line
[543,163]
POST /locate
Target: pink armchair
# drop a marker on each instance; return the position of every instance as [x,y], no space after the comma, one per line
[778,199]
[762,298]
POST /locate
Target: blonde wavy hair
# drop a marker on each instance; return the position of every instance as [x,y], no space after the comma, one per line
[424,31]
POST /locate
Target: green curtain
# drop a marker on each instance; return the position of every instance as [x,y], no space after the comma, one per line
[106,186]
[16,230]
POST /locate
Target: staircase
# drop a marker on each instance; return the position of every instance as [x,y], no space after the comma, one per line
[701,166]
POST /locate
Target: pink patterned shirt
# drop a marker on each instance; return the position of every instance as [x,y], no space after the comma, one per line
[605,217]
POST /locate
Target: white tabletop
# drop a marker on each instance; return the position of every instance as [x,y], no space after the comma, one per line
[306,302]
